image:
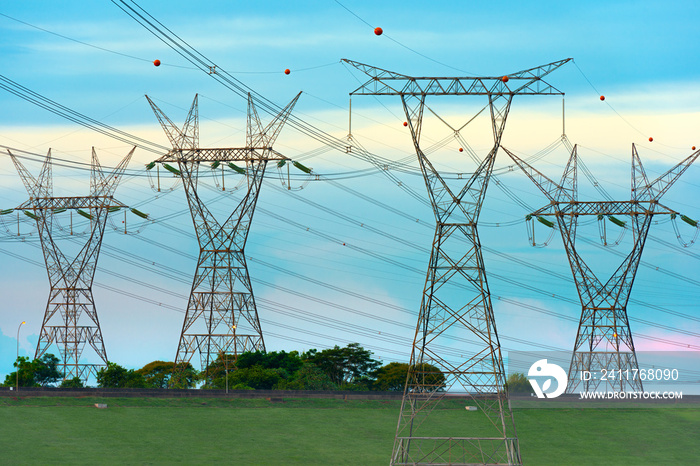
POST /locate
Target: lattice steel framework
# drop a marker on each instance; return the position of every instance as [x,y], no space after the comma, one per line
[456,300]
[70,321]
[604,339]
[221,315]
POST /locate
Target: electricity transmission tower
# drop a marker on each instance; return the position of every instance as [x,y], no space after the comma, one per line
[70,321]
[604,339]
[221,317]
[456,301]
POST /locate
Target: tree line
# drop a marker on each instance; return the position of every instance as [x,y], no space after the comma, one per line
[348,368]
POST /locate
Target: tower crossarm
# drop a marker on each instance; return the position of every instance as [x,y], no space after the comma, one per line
[60,203]
[579,208]
[231,154]
[525,82]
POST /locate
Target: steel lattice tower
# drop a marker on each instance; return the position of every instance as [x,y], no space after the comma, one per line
[604,339]
[221,315]
[70,321]
[423,436]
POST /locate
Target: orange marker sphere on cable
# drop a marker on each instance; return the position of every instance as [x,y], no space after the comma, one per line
[651,139]
[461,150]
[156,62]
[287,71]
[405,123]
[693,148]
[378,31]
[504,79]
[602,97]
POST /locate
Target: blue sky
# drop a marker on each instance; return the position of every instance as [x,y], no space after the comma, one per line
[640,55]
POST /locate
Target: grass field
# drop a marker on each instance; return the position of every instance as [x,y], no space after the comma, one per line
[314,431]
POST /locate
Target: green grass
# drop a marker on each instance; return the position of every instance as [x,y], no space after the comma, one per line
[313,431]
[609,436]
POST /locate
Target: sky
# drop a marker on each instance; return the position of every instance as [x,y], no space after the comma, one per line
[343,259]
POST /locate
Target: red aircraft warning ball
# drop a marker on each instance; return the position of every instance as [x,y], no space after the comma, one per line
[378,31]
[504,79]
[405,123]
[156,62]
[693,148]
[651,139]
[287,71]
[602,97]
[461,150]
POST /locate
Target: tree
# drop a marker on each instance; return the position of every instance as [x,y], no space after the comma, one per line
[257,377]
[41,372]
[215,374]
[308,377]
[162,374]
[46,370]
[26,374]
[428,376]
[75,382]
[290,362]
[184,376]
[346,367]
[116,376]
[391,377]
[253,369]
[518,383]
[156,374]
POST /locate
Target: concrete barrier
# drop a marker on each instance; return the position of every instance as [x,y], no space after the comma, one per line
[519,401]
[197,393]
